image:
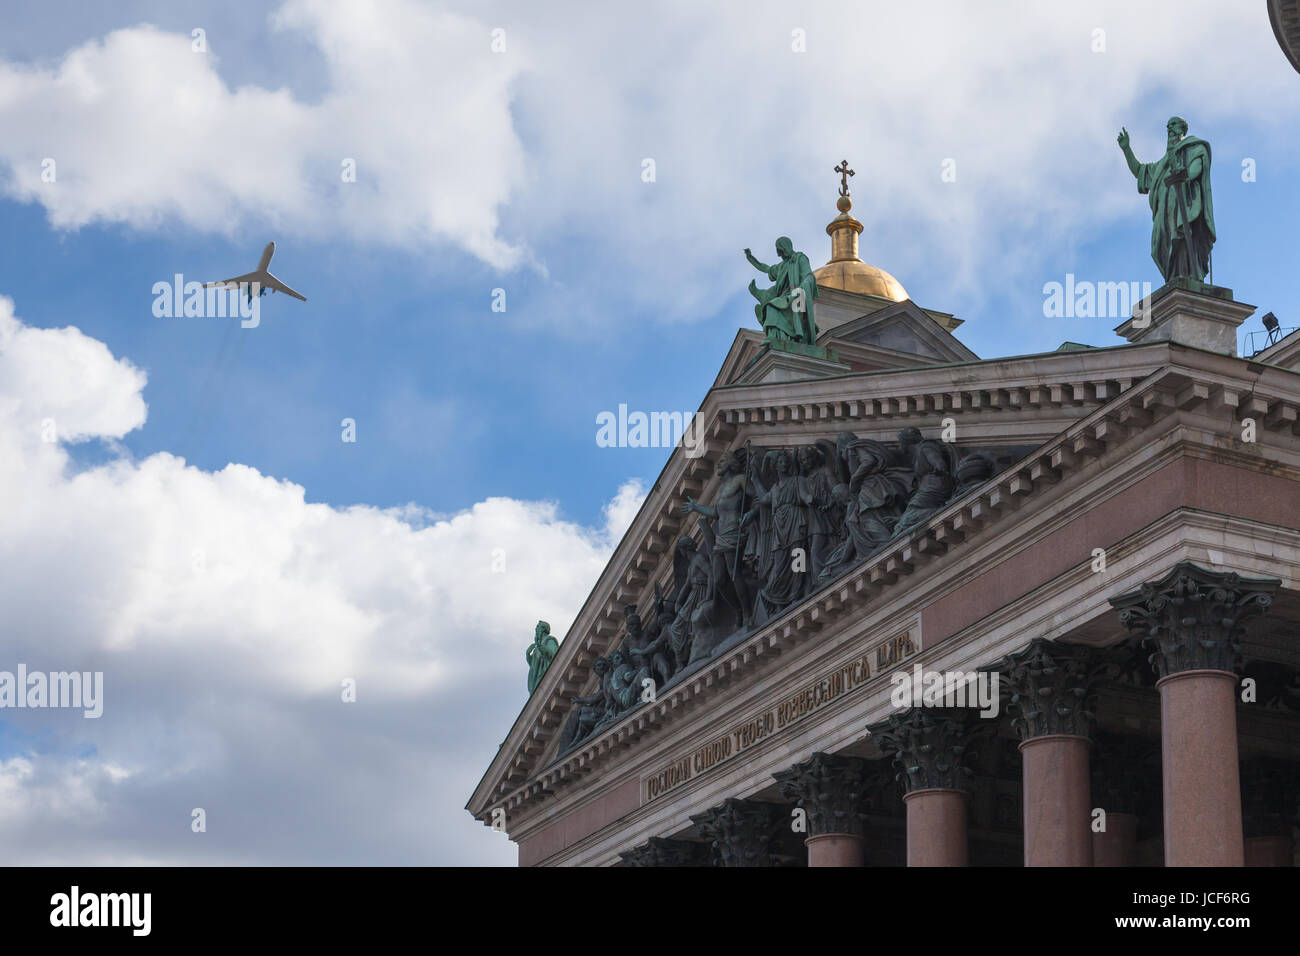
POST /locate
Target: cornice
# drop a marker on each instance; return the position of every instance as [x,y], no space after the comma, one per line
[1112,394]
[1158,544]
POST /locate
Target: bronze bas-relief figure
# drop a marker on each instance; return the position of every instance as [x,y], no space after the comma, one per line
[783,523]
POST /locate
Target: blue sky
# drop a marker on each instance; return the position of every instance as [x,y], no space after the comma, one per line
[518,170]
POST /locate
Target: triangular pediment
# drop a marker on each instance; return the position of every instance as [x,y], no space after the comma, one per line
[901,327]
[894,335]
[1029,408]
[745,348]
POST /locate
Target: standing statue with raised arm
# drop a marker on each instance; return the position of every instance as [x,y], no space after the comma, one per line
[785,311]
[1182,206]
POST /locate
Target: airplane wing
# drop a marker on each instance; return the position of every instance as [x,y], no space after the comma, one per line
[249,279]
[275,284]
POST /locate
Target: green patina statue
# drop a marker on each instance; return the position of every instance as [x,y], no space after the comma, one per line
[540,653]
[1182,208]
[785,311]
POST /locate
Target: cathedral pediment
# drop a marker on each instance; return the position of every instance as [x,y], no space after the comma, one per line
[902,327]
[894,336]
[1015,428]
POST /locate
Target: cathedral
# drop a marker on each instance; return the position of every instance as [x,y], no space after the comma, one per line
[898,604]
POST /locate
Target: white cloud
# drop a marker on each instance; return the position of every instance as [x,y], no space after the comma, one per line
[225,611]
[745,133]
[620,512]
[544,143]
[145,131]
[67,379]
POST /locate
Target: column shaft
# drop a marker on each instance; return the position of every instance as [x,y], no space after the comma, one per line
[936,827]
[835,849]
[1202,789]
[1057,788]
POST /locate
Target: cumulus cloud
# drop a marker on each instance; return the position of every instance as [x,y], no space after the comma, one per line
[537,153]
[64,384]
[620,511]
[1024,100]
[226,611]
[145,131]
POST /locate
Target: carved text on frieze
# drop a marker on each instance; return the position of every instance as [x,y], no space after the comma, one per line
[772,720]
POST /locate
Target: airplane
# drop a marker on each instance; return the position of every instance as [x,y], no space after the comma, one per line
[261,279]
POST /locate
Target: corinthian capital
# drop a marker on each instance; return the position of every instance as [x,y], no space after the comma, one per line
[830,789]
[1053,688]
[660,851]
[929,746]
[741,831]
[1193,619]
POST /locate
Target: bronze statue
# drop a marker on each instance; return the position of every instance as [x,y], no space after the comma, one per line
[1182,205]
[784,539]
[692,571]
[624,683]
[646,650]
[932,465]
[591,710]
[876,497]
[825,515]
[727,584]
[540,653]
[785,311]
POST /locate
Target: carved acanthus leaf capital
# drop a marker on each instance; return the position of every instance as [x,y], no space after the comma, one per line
[1053,688]
[930,746]
[661,851]
[742,832]
[1194,619]
[831,789]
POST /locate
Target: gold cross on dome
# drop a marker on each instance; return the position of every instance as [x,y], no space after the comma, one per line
[845,173]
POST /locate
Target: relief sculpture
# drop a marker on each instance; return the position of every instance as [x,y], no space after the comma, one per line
[783,523]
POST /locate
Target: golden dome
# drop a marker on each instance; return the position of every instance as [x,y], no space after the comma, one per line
[845,270]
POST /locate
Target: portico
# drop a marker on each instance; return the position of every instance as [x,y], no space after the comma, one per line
[1093,527]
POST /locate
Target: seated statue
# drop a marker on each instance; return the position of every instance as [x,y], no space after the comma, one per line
[785,311]
[624,683]
[591,710]
[932,466]
[876,492]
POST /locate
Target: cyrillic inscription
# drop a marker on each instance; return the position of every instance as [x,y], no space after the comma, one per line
[845,679]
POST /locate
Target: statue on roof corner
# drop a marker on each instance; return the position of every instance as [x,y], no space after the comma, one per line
[1182,207]
[540,653]
[785,311]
